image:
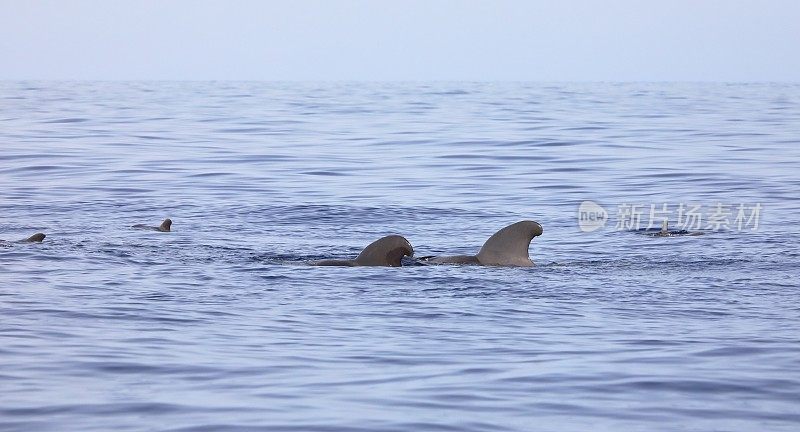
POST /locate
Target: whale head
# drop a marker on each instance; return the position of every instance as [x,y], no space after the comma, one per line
[386,251]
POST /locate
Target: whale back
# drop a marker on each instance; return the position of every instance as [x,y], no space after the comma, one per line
[386,251]
[509,246]
[334,263]
[455,259]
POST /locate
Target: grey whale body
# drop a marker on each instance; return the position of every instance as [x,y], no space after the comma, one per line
[507,248]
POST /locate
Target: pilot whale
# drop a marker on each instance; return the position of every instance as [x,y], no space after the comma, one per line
[666,232]
[36,238]
[164,227]
[507,247]
[386,251]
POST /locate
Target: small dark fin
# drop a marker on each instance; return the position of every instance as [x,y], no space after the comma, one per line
[165,225]
[36,238]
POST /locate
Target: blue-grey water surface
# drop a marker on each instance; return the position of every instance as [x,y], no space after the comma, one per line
[220,326]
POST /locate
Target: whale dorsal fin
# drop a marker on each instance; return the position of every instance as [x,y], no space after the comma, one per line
[386,251]
[665,227]
[509,246]
[36,238]
[165,225]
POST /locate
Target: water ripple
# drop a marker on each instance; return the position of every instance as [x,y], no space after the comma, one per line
[219,325]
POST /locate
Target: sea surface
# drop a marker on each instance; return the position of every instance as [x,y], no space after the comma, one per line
[221,325]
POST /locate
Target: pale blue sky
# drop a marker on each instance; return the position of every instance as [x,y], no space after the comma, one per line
[623,40]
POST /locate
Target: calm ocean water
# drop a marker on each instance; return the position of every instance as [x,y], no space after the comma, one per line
[219,325]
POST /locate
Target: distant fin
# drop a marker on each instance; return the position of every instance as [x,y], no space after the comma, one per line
[665,226]
[164,227]
[36,238]
[509,246]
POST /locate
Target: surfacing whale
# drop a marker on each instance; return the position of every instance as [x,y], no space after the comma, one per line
[36,238]
[386,251]
[507,247]
[666,232]
[164,227]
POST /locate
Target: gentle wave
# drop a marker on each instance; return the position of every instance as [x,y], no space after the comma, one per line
[219,325]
